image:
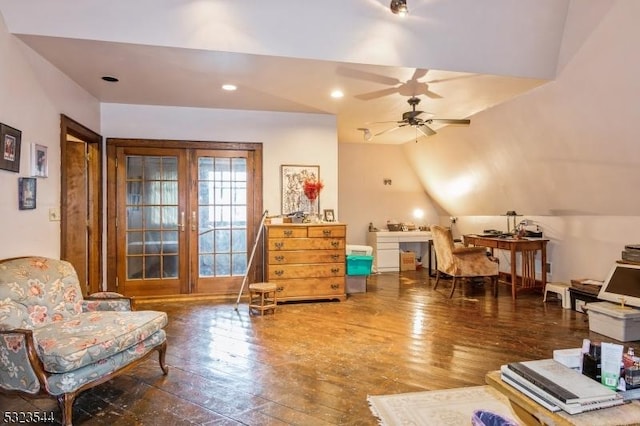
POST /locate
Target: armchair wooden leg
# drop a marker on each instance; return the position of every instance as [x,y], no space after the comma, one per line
[162,351]
[437,280]
[494,281]
[65,402]
[453,286]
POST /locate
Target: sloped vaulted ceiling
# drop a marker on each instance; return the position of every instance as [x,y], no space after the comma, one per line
[286,55]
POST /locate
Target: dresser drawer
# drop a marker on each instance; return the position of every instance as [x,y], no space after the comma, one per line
[286,231]
[301,271]
[281,257]
[305,243]
[327,231]
[305,288]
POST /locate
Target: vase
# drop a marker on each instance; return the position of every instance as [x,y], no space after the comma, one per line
[313,211]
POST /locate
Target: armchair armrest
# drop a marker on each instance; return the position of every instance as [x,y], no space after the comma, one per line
[464,251]
[20,366]
[107,301]
[13,315]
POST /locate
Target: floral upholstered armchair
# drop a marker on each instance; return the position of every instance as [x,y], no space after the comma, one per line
[54,342]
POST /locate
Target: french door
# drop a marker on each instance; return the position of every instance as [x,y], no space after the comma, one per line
[184,219]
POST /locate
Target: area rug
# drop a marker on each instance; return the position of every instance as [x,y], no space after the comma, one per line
[452,407]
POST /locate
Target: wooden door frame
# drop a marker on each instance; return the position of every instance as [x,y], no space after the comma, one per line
[256,272]
[68,126]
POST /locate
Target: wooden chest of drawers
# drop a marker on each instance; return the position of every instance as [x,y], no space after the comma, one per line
[306,261]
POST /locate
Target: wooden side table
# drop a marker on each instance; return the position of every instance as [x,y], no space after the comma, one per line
[532,413]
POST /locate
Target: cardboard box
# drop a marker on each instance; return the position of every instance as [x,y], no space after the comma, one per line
[407,261]
[613,320]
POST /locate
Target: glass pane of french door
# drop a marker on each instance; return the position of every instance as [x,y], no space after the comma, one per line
[221,211]
[152,258]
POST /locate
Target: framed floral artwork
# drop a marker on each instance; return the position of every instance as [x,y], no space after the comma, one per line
[292,179]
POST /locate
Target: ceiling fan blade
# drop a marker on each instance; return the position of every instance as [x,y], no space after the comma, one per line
[377,94]
[419,73]
[390,130]
[426,130]
[431,94]
[369,76]
[450,120]
[384,122]
[441,80]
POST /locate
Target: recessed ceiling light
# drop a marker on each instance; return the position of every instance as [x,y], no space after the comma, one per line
[229,87]
[110,79]
[337,94]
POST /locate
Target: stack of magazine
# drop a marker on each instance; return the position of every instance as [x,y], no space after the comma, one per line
[558,387]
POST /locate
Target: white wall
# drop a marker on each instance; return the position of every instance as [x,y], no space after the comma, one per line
[364,198]
[565,154]
[305,139]
[33,94]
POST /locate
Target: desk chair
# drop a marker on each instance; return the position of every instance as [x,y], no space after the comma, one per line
[461,262]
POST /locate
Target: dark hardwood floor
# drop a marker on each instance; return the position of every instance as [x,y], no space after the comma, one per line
[315,363]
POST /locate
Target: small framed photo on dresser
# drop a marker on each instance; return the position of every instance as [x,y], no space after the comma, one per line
[329,215]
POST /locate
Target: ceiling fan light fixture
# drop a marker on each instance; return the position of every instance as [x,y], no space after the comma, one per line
[399,7]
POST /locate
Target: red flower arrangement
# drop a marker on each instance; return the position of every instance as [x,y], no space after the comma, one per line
[312,188]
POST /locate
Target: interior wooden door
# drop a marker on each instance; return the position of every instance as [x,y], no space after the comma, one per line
[81,202]
[221,199]
[182,216]
[152,254]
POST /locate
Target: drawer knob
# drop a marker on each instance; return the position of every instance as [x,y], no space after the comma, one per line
[335,270]
[279,272]
[280,289]
[279,258]
[326,232]
[279,244]
[335,286]
[335,256]
[335,244]
[288,232]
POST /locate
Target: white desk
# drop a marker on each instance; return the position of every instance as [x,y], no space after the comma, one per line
[386,247]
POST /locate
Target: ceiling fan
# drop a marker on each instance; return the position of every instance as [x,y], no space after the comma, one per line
[411,87]
[412,119]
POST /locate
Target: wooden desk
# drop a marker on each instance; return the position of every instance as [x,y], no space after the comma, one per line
[532,413]
[528,248]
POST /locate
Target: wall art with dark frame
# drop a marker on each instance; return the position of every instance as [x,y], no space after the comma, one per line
[10,148]
[27,187]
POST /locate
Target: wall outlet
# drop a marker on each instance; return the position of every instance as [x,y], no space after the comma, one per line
[54,214]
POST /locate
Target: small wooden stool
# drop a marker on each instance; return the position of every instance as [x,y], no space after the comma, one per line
[262,297]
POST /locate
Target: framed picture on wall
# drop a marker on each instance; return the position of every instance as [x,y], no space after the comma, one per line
[292,179]
[27,193]
[10,148]
[39,161]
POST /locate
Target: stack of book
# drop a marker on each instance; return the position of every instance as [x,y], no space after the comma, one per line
[558,387]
